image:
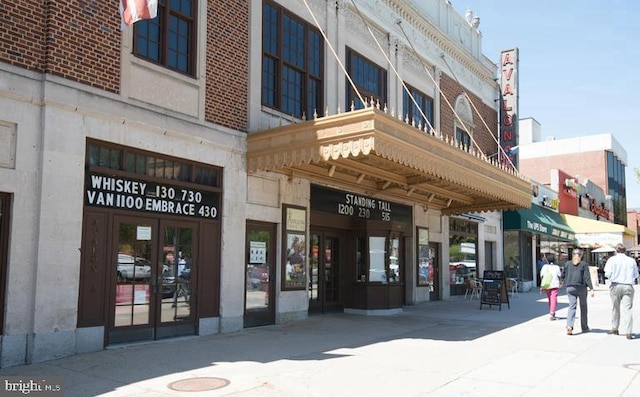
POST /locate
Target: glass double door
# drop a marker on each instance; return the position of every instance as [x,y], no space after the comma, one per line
[154,269]
[326,256]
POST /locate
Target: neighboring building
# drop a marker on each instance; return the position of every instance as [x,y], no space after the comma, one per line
[164,182]
[599,158]
[633,223]
[530,234]
[589,177]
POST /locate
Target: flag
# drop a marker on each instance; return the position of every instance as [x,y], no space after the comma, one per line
[132,11]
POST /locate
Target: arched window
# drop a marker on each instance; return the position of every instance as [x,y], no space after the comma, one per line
[463,110]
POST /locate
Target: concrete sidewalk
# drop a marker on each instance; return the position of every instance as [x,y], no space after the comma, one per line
[445,348]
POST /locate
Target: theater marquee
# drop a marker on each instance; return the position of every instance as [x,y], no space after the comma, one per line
[116,192]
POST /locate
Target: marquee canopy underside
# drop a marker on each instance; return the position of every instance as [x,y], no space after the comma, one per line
[373,153]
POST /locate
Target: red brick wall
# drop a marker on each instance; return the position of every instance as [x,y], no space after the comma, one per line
[22,33]
[78,40]
[592,165]
[228,63]
[451,89]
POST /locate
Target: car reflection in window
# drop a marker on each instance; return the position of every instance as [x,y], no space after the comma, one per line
[130,268]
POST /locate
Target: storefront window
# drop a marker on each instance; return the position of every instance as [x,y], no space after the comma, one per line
[295,224]
[511,254]
[425,267]
[463,246]
[361,267]
[394,260]
[377,253]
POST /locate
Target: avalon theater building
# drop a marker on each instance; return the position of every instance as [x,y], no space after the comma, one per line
[390,183]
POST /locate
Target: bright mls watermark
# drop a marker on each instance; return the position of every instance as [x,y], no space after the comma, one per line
[12,386]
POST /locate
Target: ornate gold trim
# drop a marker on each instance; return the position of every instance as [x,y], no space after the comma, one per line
[371,151]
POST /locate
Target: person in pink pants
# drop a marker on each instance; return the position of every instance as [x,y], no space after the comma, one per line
[550,276]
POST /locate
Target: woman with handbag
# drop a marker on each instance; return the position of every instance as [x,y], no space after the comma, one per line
[550,283]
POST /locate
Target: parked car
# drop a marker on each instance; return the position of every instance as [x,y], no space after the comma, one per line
[258,277]
[130,268]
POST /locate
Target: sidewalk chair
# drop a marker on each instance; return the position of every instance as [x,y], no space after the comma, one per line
[512,285]
[477,289]
[474,287]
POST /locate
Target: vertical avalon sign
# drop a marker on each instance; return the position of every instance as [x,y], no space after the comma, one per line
[509,107]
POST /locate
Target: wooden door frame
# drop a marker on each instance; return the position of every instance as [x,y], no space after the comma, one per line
[188,327]
[252,319]
[5,221]
[342,271]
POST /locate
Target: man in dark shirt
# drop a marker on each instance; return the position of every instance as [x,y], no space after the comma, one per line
[577,279]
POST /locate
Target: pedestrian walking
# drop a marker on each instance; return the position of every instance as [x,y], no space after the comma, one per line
[543,260]
[578,281]
[622,272]
[550,275]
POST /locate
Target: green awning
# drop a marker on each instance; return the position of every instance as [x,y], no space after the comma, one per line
[538,220]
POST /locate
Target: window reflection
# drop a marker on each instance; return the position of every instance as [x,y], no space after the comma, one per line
[377,254]
[463,239]
[394,261]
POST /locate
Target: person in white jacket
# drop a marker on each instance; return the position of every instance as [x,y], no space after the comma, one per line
[550,276]
[622,272]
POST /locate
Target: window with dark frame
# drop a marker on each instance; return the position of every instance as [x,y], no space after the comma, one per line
[463,137]
[425,264]
[102,155]
[292,64]
[413,111]
[369,78]
[294,261]
[170,38]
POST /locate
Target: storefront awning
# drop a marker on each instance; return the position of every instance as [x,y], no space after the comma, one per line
[373,153]
[591,233]
[538,220]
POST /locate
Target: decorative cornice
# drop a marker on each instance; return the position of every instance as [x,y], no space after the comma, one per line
[371,142]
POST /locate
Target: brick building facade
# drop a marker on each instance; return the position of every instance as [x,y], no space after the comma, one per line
[161,182]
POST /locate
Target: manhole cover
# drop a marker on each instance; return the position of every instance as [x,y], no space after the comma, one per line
[198,384]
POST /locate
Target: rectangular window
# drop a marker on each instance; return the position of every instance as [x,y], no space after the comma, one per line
[617,187]
[170,38]
[377,257]
[462,136]
[119,158]
[292,59]
[463,242]
[416,111]
[295,255]
[369,79]
[425,259]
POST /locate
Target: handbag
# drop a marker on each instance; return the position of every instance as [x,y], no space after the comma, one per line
[545,280]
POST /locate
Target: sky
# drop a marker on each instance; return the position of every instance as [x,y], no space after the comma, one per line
[579,66]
